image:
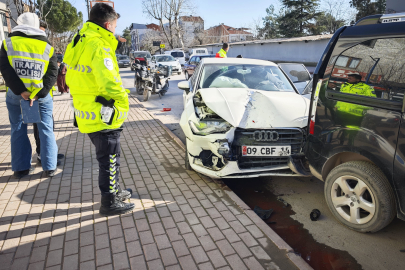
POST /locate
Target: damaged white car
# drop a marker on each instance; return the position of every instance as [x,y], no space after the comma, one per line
[242,118]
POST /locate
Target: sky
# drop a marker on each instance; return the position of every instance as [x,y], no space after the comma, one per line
[235,13]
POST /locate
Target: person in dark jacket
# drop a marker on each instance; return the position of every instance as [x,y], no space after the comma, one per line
[29,67]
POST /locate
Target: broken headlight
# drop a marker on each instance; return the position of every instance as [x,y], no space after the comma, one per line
[206,127]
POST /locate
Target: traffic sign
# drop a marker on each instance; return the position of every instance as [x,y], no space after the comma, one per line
[162,46]
[110,3]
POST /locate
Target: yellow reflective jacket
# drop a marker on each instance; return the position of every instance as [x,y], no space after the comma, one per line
[92,70]
[30,60]
[221,54]
[360,89]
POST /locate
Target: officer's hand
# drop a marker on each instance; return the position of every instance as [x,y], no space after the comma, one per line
[26,95]
[32,101]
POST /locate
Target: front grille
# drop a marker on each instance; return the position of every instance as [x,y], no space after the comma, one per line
[290,136]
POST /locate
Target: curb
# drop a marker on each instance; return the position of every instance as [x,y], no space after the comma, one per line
[297,260]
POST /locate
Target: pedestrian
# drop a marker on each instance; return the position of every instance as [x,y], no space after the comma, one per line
[29,67]
[223,51]
[43,26]
[61,82]
[100,100]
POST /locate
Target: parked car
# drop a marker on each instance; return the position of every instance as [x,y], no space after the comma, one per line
[192,63]
[178,55]
[123,61]
[196,51]
[242,118]
[356,135]
[139,54]
[166,60]
[298,74]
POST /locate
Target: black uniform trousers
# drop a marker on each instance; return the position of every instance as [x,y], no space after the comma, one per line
[108,151]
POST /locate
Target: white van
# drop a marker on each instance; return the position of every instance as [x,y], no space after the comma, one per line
[198,51]
[178,55]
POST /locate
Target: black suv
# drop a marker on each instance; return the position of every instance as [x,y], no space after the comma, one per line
[356,134]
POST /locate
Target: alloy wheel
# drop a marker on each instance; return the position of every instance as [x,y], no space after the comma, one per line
[353,199]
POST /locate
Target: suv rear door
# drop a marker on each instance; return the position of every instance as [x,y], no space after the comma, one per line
[365,124]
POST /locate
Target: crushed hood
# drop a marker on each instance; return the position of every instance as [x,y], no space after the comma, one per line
[246,108]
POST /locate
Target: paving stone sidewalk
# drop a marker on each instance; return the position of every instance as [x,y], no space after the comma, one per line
[181,221]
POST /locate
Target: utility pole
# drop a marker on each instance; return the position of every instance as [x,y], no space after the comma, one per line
[88,9]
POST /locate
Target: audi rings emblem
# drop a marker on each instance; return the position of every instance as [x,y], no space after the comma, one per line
[266,136]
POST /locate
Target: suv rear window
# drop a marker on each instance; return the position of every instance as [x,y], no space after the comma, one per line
[200,51]
[177,54]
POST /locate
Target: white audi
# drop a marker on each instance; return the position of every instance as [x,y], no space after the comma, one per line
[241,118]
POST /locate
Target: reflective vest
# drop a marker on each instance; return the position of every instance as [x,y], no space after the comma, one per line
[360,89]
[221,54]
[92,70]
[30,60]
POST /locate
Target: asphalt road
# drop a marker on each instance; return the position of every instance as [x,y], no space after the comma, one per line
[325,244]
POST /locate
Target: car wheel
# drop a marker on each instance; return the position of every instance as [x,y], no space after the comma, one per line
[187,76]
[187,161]
[360,196]
[179,73]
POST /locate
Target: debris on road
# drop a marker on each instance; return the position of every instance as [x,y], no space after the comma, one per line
[315,214]
[167,109]
[282,200]
[402,250]
[263,214]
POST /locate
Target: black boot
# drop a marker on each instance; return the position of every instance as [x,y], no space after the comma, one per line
[111,205]
[124,194]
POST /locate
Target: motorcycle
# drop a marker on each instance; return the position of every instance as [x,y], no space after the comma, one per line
[151,81]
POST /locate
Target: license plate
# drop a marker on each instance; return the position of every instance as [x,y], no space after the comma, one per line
[265,151]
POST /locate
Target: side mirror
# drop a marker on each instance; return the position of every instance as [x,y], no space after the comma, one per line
[184,85]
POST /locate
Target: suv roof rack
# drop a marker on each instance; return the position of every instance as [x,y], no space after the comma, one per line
[381,18]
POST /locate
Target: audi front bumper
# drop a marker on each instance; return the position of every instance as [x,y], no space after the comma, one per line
[220,155]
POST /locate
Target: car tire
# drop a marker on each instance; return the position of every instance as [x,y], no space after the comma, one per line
[360,197]
[187,161]
[179,73]
[187,76]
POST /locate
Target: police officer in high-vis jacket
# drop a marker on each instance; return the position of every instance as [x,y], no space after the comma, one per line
[222,52]
[356,87]
[29,66]
[100,100]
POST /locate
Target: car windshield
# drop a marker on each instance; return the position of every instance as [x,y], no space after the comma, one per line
[266,78]
[142,54]
[165,58]
[177,54]
[297,73]
[123,58]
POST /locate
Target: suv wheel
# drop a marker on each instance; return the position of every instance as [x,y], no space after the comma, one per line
[360,196]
